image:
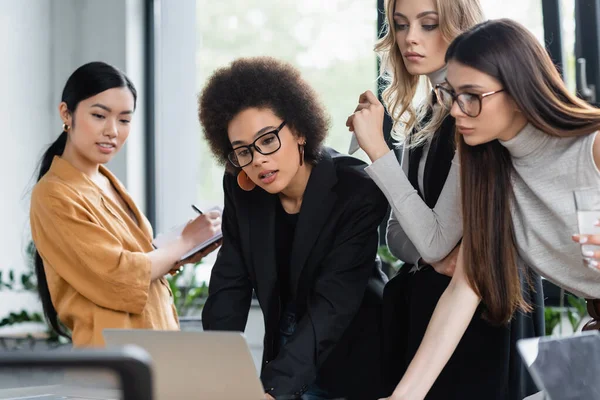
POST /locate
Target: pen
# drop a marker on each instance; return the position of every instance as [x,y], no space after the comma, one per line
[197,209]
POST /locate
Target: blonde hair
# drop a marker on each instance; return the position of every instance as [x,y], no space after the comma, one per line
[456,16]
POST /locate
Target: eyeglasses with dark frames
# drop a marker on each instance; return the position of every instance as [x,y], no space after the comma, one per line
[267,143]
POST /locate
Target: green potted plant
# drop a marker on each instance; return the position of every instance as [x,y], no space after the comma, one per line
[389,259]
[575,310]
[24,283]
[188,296]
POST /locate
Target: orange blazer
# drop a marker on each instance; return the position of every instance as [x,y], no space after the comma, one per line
[95,258]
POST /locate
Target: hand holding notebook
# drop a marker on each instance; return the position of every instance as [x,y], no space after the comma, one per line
[164,238]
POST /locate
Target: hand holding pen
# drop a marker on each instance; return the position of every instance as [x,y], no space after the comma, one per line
[197,231]
[202,227]
[197,209]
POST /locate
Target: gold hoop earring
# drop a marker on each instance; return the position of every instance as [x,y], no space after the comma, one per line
[66,127]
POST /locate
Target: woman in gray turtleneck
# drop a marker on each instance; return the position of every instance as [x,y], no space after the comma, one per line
[426,222]
[526,144]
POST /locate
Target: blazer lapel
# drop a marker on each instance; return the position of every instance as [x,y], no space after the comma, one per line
[318,202]
[414,158]
[439,161]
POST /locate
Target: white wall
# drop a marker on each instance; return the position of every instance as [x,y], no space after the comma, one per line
[109,31]
[25,125]
[177,126]
[41,43]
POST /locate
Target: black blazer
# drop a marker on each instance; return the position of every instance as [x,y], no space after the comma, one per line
[337,283]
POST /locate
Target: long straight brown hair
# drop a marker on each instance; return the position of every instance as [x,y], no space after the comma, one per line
[507,51]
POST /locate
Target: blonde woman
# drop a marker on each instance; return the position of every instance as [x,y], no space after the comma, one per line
[426,223]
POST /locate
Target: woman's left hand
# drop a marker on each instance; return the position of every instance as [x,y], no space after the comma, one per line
[367,124]
[196,257]
[591,257]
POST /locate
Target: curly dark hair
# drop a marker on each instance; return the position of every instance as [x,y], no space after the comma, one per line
[261,82]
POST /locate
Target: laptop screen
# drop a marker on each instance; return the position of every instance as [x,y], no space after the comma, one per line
[568,368]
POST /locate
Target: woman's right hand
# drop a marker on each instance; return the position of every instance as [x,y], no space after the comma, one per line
[202,228]
[168,258]
[367,124]
[448,264]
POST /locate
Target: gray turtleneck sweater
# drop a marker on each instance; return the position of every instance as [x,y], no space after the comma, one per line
[548,170]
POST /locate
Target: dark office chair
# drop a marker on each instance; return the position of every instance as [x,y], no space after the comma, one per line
[131,365]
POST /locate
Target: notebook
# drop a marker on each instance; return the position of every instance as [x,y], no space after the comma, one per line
[164,238]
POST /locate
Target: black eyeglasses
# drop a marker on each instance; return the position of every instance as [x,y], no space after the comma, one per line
[469,103]
[267,143]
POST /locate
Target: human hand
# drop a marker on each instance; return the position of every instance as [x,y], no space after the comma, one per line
[367,124]
[196,257]
[201,228]
[591,257]
[448,264]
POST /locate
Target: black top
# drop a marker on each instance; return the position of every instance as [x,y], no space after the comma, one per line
[285,229]
[438,162]
[336,282]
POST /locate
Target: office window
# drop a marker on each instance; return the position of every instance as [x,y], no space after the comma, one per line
[331,42]
[529,13]
[567,13]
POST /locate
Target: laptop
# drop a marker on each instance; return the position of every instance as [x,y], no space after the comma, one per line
[195,365]
[565,368]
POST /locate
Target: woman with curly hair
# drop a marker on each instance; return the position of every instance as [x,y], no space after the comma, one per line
[300,229]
